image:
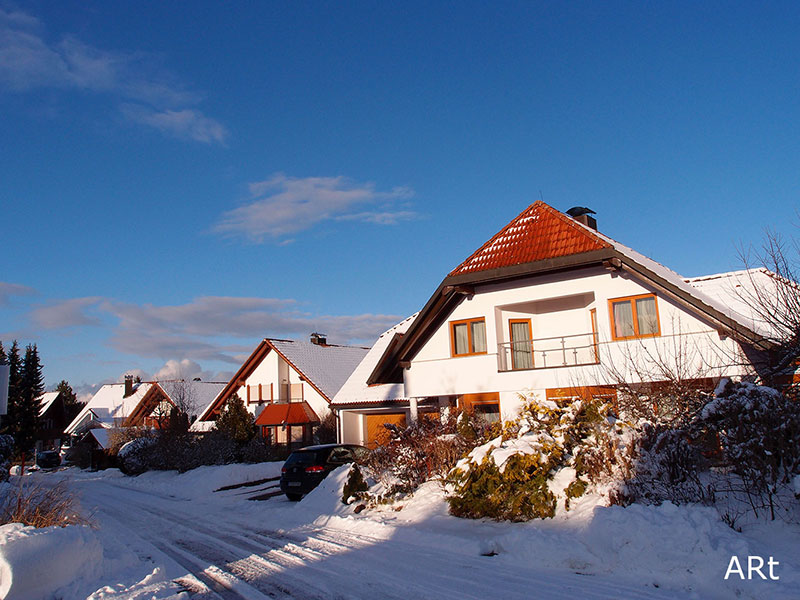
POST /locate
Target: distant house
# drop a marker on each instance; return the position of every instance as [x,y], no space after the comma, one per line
[549,306]
[52,421]
[288,387]
[140,404]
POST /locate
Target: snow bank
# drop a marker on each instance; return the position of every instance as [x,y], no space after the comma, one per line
[47,562]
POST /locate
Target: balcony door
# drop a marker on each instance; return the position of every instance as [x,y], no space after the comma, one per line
[521,344]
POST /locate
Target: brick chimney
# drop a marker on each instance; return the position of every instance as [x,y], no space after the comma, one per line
[128,386]
[587,220]
[319,339]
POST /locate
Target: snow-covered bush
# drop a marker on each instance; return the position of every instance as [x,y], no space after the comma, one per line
[759,437]
[667,467]
[550,452]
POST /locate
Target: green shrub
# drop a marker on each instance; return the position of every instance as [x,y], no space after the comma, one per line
[513,477]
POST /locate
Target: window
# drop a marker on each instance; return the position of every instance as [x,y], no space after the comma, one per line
[468,337]
[634,317]
[485,406]
[521,344]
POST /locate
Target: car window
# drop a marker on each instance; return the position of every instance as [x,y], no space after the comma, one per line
[360,453]
[301,458]
[341,456]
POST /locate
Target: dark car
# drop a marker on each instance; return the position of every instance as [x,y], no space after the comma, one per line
[307,467]
[48,459]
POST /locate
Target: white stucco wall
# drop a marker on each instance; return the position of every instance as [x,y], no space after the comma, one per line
[560,305]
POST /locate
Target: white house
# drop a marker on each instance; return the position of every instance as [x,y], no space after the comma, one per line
[552,307]
[138,404]
[288,386]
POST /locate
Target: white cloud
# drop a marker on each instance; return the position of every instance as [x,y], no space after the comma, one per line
[202,330]
[8,290]
[65,313]
[29,61]
[283,205]
[188,124]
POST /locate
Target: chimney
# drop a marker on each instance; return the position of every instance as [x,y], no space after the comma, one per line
[319,339]
[128,386]
[587,220]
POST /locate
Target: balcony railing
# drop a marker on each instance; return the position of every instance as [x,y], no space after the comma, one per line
[547,353]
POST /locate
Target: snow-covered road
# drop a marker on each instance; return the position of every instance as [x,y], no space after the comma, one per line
[249,550]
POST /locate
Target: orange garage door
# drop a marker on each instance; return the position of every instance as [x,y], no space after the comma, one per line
[377,434]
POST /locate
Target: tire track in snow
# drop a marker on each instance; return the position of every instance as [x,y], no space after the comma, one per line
[323,561]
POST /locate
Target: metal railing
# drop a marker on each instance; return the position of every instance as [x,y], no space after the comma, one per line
[547,353]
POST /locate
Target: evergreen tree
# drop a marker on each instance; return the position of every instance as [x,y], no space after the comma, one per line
[14,386]
[235,422]
[31,388]
[3,361]
[71,405]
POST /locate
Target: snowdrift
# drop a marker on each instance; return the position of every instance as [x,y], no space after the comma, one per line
[37,563]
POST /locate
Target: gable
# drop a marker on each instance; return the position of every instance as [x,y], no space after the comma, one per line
[538,233]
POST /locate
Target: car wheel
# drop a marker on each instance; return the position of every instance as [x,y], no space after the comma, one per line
[294,497]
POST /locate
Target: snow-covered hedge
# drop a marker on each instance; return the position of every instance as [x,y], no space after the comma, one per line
[550,453]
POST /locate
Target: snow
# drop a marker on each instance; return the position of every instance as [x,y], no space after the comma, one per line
[356,389]
[65,555]
[109,406]
[162,533]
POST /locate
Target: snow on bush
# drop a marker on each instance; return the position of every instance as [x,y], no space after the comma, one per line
[37,563]
[549,453]
[759,437]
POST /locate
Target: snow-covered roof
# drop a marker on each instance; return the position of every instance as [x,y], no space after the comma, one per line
[745,293]
[356,390]
[47,400]
[326,367]
[109,407]
[719,302]
[100,434]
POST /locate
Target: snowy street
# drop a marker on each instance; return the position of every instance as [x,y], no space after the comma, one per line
[169,536]
[224,554]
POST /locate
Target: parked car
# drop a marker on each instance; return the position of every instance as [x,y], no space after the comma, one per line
[48,459]
[307,467]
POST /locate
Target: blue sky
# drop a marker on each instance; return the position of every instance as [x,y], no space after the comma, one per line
[181,179]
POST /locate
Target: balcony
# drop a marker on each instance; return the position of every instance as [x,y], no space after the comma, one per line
[549,353]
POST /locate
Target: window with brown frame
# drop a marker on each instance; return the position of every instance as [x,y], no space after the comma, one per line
[521,335]
[468,337]
[634,317]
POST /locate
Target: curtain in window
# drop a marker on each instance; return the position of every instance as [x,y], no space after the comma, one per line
[646,316]
[623,319]
[461,339]
[521,348]
[478,336]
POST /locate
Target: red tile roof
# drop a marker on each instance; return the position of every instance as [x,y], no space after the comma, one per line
[291,413]
[540,232]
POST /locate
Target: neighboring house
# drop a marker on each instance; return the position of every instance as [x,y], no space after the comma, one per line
[362,409]
[142,404]
[550,306]
[288,387]
[52,421]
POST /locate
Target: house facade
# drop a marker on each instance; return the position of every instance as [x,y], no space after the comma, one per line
[288,387]
[551,307]
[140,404]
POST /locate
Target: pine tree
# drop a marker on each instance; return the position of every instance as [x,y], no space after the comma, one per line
[29,404]
[14,383]
[3,361]
[235,422]
[71,405]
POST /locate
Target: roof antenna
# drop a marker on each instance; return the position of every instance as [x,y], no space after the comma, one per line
[540,196]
